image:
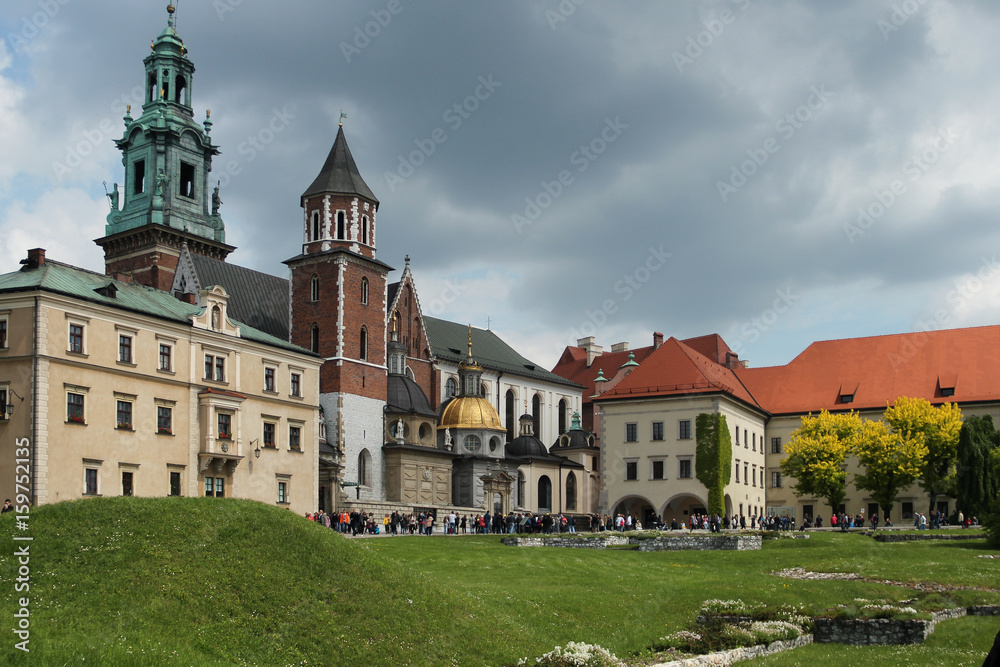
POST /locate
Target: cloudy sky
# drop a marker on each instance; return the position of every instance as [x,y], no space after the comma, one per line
[775,172]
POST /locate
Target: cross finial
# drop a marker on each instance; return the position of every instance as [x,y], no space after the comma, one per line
[342,117]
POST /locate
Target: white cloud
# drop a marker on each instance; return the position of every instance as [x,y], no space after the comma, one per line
[62,221]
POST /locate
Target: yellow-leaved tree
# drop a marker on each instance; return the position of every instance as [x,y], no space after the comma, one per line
[816,454]
[939,428]
[891,461]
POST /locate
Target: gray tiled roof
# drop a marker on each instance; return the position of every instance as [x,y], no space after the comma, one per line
[450,341]
[255,298]
[340,175]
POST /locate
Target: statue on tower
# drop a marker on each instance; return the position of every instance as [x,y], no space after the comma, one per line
[216,199]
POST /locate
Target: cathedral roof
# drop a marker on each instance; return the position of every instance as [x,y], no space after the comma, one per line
[471,412]
[258,299]
[340,175]
[405,396]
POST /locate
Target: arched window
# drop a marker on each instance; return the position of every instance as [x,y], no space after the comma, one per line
[536,414]
[364,468]
[314,339]
[363,347]
[509,415]
[151,88]
[544,494]
[562,415]
[364,291]
[315,226]
[165,93]
[450,388]
[483,389]
[364,229]
[180,88]
[571,493]
[520,489]
[341,226]
[314,288]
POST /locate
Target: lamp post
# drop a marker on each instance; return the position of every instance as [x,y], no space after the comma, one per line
[9,408]
[256,452]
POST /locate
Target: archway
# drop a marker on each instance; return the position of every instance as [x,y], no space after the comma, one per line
[682,506]
[639,508]
[544,494]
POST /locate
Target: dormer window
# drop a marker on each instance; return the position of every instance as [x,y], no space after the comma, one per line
[947,391]
[847,398]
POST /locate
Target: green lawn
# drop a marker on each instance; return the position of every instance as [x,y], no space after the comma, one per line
[123,581]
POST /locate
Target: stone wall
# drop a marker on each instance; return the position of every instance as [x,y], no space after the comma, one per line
[914,537]
[717,542]
[570,542]
[873,631]
[723,658]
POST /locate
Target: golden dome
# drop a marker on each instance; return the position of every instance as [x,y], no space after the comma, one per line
[472,412]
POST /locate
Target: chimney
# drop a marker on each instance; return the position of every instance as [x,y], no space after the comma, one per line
[619,347]
[36,258]
[733,360]
[122,277]
[190,297]
[657,339]
[593,351]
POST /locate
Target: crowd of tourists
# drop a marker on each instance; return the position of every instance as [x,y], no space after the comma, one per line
[426,523]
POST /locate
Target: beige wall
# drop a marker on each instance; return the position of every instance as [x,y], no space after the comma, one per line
[66,449]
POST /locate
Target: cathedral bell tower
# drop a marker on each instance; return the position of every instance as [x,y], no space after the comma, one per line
[338,310]
[167,157]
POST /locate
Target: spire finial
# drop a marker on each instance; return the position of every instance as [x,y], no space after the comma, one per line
[407,259]
[170,14]
[342,117]
[470,342]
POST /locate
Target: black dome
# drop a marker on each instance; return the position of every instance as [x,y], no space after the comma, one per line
[406,396]
[573,439]
[527,446]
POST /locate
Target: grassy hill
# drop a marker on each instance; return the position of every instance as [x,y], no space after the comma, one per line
[122,581]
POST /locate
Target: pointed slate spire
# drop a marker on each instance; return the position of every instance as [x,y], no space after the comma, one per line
[340,175]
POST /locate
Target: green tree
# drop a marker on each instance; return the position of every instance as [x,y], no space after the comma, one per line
[977,481]
[938,427]
[816,454]
[713,462]
[891,462]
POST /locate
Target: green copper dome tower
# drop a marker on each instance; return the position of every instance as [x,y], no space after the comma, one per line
[167,199]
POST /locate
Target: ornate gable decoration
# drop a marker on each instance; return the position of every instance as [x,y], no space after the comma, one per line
[214,302]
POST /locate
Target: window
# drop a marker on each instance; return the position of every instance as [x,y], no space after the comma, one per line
[295,438]
[74,408]
[754,476]
[684,469]
[631,470]
[268,379]
[296,384]
[364,291]
[737,471]
[364,229]
[283,492]
[315,227]
[450,388]
[215,368]
[124,415]
[125,349]
[165,357]
[215,487]
[76,338]
[164,420]
[314,339]
[847,398]
[657,430]
[269,431]
[472,444]
[945,391]
[363,346]
[907,510]
[364,467]
[90,481]
[776,445]
[3,334]
[571,492]
[127,488]
[746,473]
[225,425]
[684,429]
[3,404]
[187,181]
[314,288]
[175,483]
[737,436]
[754,442]
[775,480]
[746,439]
[341,226]
[631,433]
[139,174]
[657,470]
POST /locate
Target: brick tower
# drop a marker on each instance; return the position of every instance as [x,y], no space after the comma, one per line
[167,157]
[338,305]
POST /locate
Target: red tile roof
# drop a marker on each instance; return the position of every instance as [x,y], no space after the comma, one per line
[879,369]
[678,369]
